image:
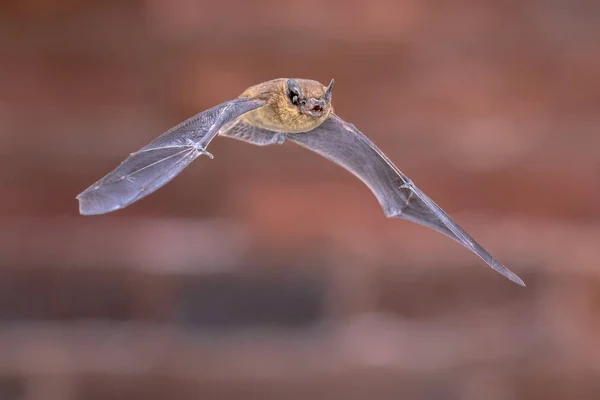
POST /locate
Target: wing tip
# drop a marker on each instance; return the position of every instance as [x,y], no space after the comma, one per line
[84,206]
[507,273]
[513,277]
[89,207]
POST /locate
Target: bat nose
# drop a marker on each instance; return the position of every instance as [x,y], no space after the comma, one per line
[317,105]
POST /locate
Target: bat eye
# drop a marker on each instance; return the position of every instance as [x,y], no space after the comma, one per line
[294,98]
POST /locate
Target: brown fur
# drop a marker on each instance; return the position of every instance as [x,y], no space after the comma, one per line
[279,114]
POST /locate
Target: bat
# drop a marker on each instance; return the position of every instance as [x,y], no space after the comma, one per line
[273,112]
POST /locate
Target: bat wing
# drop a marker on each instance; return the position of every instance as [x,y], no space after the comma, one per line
[342,143]
[241,130]
[155,164]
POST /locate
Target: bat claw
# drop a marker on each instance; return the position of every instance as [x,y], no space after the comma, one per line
[408,184]
[199,148]
[203,151]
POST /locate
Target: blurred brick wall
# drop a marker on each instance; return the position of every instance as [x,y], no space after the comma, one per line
[270,272]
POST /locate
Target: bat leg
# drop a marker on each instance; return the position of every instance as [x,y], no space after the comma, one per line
[280,138]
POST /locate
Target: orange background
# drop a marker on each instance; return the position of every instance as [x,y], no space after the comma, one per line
[269,272]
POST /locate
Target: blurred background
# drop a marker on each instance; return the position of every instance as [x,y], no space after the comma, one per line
[271,273]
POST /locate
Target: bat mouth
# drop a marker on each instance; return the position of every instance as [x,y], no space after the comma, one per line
[314,107]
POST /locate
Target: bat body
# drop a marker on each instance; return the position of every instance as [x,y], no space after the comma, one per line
[297,110]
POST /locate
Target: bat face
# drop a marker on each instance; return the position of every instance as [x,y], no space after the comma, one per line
[294,105]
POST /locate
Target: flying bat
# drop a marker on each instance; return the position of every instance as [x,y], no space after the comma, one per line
[296,110]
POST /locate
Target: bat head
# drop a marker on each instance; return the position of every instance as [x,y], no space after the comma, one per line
[293,105]
[309,97]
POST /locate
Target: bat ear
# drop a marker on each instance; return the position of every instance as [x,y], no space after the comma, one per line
[328,91]
[293,87]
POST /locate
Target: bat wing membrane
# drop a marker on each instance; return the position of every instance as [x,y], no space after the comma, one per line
[241,130]
[155,164]
[342,143]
